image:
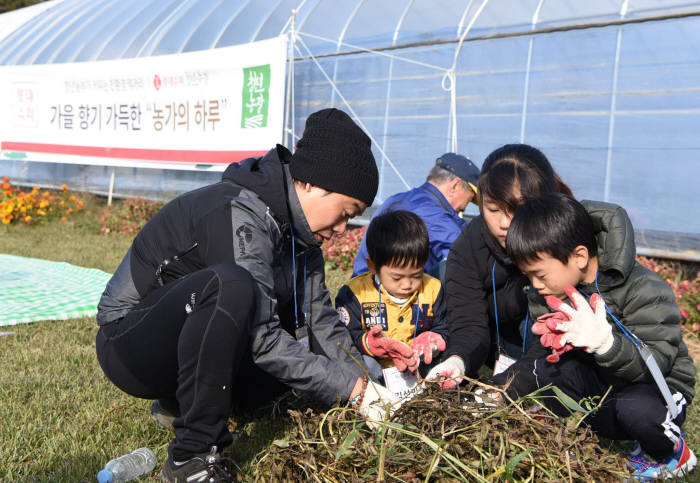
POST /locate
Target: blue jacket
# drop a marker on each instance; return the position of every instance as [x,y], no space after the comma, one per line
[443,223]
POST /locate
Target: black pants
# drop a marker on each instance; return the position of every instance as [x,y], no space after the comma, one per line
[635,412]
[183,344]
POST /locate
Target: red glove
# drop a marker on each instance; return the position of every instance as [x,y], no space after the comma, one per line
[428,344]
[546,328]
[379,345]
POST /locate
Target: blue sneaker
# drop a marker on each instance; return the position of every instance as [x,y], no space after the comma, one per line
[679,464]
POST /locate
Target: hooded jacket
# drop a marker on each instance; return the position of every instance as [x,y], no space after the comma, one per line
[639,299]
[250,218]
[476,264]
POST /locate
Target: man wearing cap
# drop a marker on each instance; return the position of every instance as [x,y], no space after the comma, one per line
[450,186]
[221,299]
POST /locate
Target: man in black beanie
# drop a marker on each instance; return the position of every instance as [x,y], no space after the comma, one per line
[221,300]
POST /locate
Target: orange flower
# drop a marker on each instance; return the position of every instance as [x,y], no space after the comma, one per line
[27,218]
[35,189]
[64,187]
[41,212]
[46,194]
[73,198]
[43,204]
[6,185]
[62,203]
[6,179]
[64,219]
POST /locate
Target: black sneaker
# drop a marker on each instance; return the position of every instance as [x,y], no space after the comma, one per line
[204,468]
[162,416]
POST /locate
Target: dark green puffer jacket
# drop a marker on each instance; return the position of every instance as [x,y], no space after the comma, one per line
[641,300]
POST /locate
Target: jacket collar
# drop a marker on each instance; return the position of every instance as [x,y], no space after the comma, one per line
[616,246]
[265,177]
[302,230]
[433,190]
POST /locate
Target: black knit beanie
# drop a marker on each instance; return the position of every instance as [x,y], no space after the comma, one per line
[336,155]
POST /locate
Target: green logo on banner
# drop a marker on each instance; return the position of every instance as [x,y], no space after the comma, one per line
[256,95]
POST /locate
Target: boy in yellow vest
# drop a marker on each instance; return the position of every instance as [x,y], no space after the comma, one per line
[396,312]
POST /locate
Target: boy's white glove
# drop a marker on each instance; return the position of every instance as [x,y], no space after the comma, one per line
[449,372]
[374,404]
[588,326]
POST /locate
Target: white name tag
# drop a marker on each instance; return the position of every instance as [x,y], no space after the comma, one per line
[502,363]
[400,383]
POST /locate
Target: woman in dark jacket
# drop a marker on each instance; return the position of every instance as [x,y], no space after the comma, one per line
[486,293]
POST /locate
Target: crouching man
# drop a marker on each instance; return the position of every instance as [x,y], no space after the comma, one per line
[222,294]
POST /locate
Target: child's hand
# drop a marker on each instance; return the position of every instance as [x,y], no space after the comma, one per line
[382,346]
[545,327]
[587,326]
[427,345]
[449,372]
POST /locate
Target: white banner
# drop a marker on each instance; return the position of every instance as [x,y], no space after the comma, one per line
[200,109]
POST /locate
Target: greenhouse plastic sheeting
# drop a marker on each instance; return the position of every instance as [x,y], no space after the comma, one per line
[609,90]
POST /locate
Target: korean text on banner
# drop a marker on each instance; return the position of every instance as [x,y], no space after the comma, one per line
[210,107]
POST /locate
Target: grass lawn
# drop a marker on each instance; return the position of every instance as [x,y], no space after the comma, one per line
[62,420]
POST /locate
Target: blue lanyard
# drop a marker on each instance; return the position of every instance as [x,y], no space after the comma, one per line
[495,310]
[495,306]
[294,283]
[381,314]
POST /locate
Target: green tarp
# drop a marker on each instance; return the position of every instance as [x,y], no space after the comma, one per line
[33,290]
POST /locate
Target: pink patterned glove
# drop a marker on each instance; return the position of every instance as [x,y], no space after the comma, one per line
[427,345]
[379,345]
[545,327]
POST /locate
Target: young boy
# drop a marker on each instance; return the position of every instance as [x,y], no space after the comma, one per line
[560,244]
[395,313]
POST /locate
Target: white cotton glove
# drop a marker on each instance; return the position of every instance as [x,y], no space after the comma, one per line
[449,372]
[374,404]
[588,326]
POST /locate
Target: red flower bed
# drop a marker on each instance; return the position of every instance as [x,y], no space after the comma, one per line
[339,252]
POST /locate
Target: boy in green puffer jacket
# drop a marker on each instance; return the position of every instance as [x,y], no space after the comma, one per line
[628,329]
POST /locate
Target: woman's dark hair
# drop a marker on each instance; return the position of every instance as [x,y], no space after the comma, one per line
[521,166]
[398,238]
[553,223]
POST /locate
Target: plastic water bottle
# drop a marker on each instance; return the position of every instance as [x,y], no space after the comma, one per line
[128,467]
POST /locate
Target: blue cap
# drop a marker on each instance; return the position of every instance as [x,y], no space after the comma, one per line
[460,166]
[105,476]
